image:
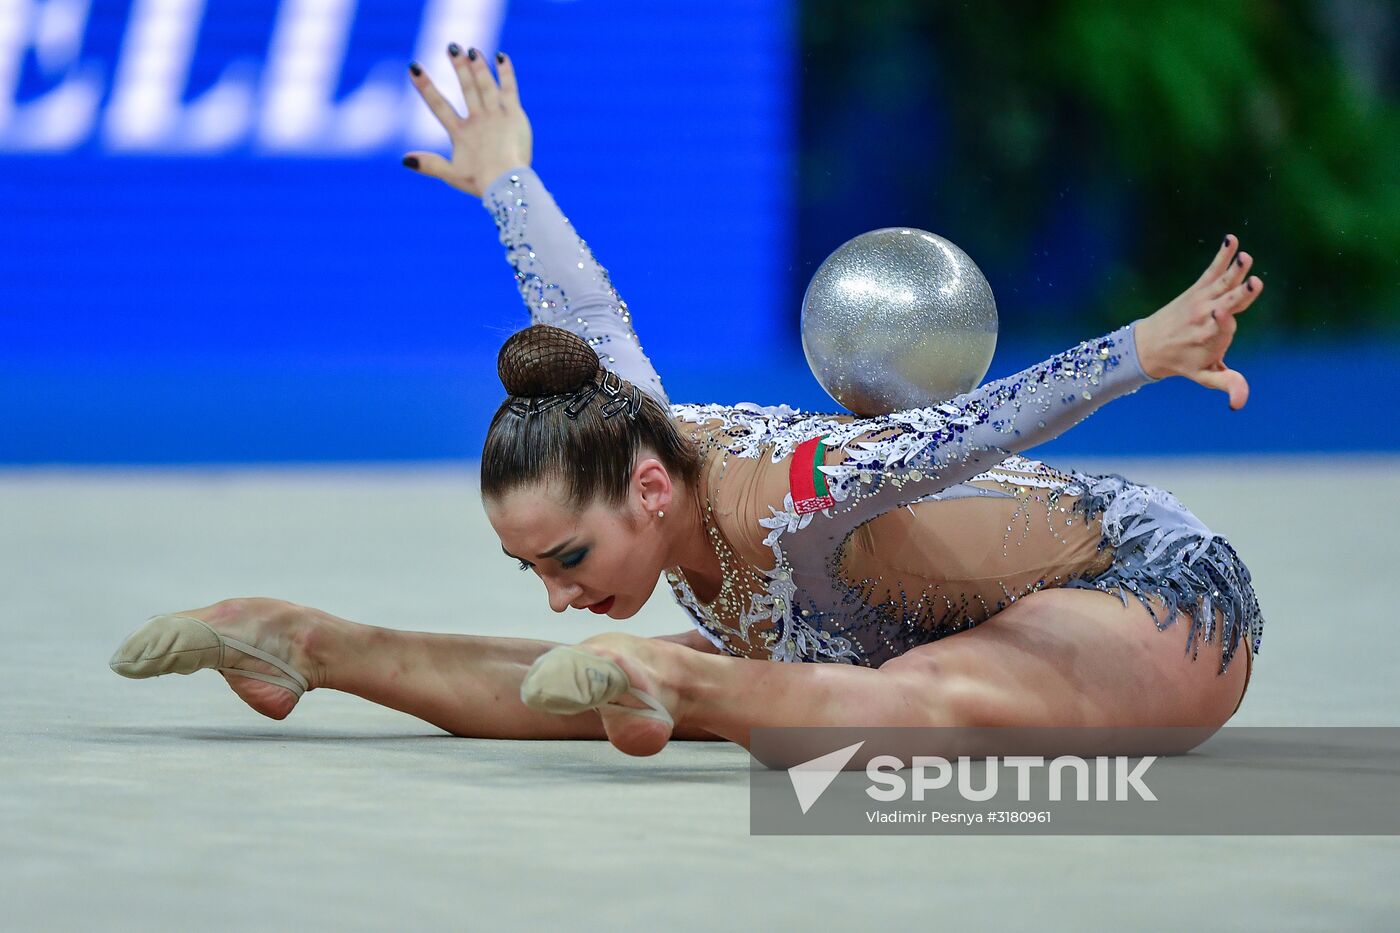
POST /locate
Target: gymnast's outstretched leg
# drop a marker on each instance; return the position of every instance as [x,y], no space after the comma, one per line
[467,685]
[1055,658]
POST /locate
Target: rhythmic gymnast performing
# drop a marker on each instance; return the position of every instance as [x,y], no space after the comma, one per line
[921,570]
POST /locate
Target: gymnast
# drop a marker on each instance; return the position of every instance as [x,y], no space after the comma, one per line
[922,571]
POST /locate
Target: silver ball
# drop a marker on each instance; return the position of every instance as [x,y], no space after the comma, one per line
[898,318]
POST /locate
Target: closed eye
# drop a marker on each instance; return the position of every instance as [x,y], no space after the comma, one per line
[525,564]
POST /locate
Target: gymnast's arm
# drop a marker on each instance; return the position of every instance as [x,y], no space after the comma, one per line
[561,282]
[944,445]
[882,463]
[1043,401]
[869,466]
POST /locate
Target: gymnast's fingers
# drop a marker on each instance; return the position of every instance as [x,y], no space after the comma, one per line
[1228,381]
[1226,326]
[505,70]
[428,163]
[1242,295]
[1221,262]
[1234,274]
[460,64]
[484,80]
[441,109]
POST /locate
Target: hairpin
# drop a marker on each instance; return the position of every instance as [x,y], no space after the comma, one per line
[574,403]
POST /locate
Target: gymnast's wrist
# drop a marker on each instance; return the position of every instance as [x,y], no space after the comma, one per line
[1142,339]
[500,178]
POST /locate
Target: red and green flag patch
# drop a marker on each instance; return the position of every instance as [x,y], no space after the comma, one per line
[809,490]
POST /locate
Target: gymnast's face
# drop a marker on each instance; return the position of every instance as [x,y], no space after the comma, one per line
[602,557]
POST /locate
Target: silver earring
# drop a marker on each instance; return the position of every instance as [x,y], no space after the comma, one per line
[660,514]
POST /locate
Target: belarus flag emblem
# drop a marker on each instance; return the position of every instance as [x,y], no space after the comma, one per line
[809,491]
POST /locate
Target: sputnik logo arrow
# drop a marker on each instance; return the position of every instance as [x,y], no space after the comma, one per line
[811,778]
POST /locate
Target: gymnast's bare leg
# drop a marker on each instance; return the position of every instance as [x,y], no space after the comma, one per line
[1054,658]
[467,685]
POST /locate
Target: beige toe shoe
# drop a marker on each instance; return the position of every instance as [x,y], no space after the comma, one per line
[175,644]
[568,680]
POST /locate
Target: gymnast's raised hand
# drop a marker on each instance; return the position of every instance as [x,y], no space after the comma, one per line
[1189,336]
[494,135]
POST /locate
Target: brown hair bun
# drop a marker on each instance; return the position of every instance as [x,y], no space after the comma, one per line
[544,360]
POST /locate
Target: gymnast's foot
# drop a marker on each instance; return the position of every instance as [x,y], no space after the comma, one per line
[179,643]
[570,683]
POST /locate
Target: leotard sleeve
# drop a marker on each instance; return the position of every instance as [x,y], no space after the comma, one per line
[560,281]
[854,471]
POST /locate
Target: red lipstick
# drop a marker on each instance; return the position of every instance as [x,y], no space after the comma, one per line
[604,606]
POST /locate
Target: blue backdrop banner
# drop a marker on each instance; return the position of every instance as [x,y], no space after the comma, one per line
[212,252]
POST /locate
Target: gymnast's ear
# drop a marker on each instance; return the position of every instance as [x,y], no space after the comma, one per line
[651,484]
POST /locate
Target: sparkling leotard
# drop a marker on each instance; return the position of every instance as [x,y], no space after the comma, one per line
[852,540]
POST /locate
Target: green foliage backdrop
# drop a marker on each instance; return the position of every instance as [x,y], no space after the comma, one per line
[1188,118]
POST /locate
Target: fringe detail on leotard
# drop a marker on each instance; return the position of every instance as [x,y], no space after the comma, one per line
[1192,569]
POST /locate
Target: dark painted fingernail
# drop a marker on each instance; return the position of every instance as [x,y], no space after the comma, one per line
[454,49]
[1226,241]
[411,162]
[1249,285]
[500,57]
[471,53]
[1239,260]
[415,68]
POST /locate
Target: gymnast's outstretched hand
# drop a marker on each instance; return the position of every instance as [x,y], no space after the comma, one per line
[1189,337]
[494,135]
